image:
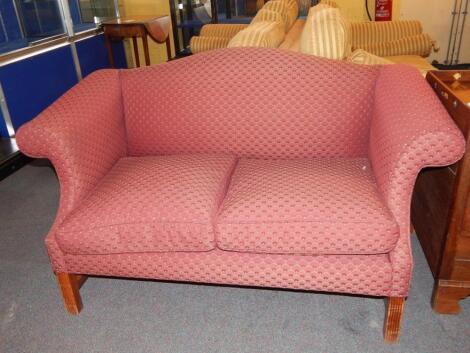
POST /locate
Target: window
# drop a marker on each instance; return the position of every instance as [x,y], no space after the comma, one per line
[24,23]
[87,14]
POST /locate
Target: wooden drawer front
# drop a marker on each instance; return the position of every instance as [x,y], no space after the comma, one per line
[463,246]
[466,219]
[432,197]
[460,112]
[461,270]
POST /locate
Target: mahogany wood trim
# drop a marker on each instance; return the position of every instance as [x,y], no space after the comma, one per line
[168,48]
[146,50]
[447,294]
[136,52]
[393,315]
[70,287]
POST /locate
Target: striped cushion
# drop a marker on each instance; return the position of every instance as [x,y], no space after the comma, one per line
[221,29]
[326,33]
[360,56]
[329,3]
[292,39]
[199,44]
[260,34]
[265,15]
[276,5]
[292,10]
[414,45]
[368,33]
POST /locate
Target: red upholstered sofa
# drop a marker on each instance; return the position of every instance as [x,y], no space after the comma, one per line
[253,167]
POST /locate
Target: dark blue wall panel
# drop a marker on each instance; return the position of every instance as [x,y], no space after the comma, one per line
[93,55]
[32,84]
[10,21]
[3,127]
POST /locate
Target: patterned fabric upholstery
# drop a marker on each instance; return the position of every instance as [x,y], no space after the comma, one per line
[290,207]
[326,33]
[259,35]
[148,204]
[277,115]
[265,104]
[81,156]
[360,56]
[406,137]
[356,274]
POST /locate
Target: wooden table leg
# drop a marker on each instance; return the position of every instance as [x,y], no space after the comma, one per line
[168,47]
[136,52]
[110,51]
[146,50]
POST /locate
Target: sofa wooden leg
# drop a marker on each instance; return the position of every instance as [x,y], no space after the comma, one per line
[394,311]
[70,287]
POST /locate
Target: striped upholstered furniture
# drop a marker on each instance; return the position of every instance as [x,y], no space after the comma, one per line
[329,34]
[283,180]
[267,29]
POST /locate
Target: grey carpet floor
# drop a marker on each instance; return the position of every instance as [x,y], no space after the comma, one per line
[145,316]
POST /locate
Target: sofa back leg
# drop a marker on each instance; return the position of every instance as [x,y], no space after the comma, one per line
[70,287]
[393,314]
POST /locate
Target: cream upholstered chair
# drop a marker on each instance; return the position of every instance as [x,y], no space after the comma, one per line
[216,36]
[327,33]
[260,34]
[383,42]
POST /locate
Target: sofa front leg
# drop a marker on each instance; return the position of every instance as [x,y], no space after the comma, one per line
[393,314]
[70,287]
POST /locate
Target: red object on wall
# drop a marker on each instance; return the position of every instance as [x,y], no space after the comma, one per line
[383,10]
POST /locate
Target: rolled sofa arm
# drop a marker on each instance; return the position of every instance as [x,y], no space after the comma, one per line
[391,38]
[410,130]
[223,30]
[82,134]
[214,36]
[201,44]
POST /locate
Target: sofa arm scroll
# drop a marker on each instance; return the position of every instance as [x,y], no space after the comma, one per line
[82,134]
[410,130]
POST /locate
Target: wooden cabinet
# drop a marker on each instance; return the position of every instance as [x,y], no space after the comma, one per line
[440,210]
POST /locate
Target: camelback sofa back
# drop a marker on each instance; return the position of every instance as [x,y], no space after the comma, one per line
[242,166]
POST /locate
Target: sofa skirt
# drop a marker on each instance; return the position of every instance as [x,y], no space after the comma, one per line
[355,274]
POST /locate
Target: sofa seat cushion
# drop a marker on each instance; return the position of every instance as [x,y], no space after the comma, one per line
[150,204]
[320,206]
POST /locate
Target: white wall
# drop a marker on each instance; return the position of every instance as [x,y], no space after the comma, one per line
[435,16]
